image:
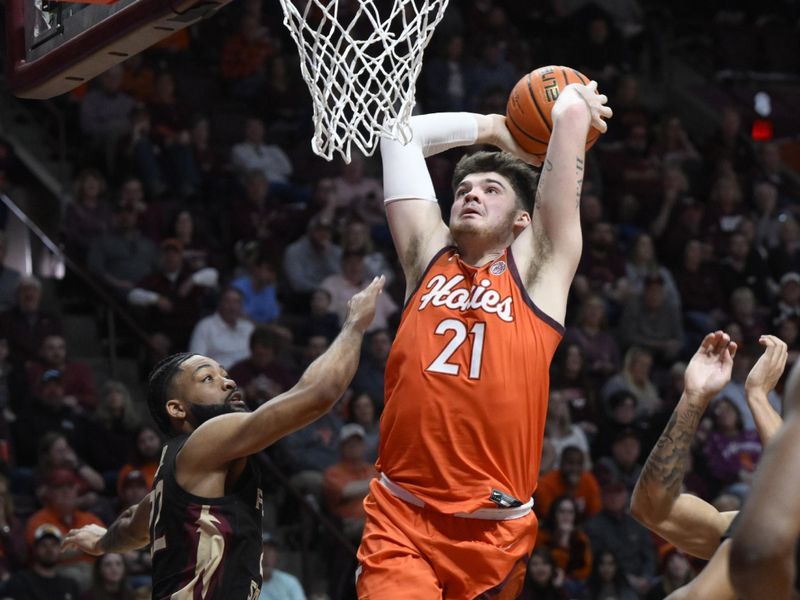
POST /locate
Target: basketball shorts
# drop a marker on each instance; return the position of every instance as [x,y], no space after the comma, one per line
[413,552]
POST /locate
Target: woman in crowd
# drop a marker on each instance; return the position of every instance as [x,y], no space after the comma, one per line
[362,410]
[600,348]
[608,581]
[543,580]
[145,455]
[88,215]
[108,579]
[730,452]
[569,546]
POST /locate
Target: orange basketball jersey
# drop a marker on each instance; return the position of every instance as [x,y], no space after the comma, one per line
[466,386]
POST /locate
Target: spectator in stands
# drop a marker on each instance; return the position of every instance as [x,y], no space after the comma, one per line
[632,168]
[347,482]
[369,375]
[699,287]
[111,430]
[87,216]
[253,154]
[745,312]
[676,572]
[570,547]
[542,580]
[357,195]
[788,301]
[643,264]
[362,411]
[602,266]
[731,452]
[259,215]
[570,377]
[12,535]
[315,346]
[76,377]
[559,427]
[56,453]
[312,258]
[674,145]
[725,212]
[621,415]
[352,279]
[356,238]
[446,78]
[244,58]
[730,143]
[652,322]
[261,375]
[138,563]
[609,580]
[321,321]
[49,412]
[615,530]
[258,288]
[768,220]
[123,257]
[9,278]
[492,71]
[771,168]
[199,250]
[145,455]
[14,391]
[785,256]
[623,463]
[25,325]
[635,378]
[61,510]
[591,334]
[109,579]
[172,297]
[277,584]
[573,480]
[225,335]
[42,579]
[306,453]
[138,78]
[105,109]
[138,150]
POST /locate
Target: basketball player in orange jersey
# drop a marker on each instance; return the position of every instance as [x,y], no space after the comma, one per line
[765,553]
[467,377]
[203,517]
[690,523]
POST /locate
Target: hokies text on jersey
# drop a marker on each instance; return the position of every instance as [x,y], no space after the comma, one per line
[445,292]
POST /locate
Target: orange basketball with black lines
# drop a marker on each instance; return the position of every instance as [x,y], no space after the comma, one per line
[528,114]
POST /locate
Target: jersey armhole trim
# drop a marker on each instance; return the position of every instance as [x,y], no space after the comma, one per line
[512,265]
[432,262]
[247,479]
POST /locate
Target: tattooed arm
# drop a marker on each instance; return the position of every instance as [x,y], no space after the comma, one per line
[688,522]
[129,532]
[547,253]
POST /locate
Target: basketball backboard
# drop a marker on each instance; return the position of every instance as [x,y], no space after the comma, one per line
[55,46]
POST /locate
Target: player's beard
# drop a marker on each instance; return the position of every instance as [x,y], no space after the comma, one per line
[470,228]
[200,413]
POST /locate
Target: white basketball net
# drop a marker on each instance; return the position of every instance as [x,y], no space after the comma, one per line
[361,59]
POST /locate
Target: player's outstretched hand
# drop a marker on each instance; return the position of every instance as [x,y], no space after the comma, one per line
[502,138]
[710,367]
[361,307]
[577,93]
[764,375]
[86,539]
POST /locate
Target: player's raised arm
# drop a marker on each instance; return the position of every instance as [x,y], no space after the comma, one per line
[129,532]
[688,522]
[412,211]
[228,437]
[761,380]
[762,560]
[556,217]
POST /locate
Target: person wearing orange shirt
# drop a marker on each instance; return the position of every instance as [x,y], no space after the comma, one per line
[467,379]
[573,480]
[61,510]
[569,546]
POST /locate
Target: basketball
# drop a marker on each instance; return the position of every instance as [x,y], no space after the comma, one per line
[531,102]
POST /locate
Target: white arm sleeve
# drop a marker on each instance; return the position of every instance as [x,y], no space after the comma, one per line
[405,174]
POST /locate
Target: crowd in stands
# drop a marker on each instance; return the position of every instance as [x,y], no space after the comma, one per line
[199,206]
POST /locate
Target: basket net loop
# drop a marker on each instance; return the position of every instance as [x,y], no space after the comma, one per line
[361,60]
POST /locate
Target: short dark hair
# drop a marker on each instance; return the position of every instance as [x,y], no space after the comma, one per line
[263,336]
[522,177]
[159,383]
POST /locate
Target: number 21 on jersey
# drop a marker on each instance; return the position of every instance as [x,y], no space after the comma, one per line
[461,335]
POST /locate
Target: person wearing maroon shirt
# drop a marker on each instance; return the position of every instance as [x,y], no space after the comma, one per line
[76,377]
[261,375]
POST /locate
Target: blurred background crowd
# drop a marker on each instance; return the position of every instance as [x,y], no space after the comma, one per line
[198,219]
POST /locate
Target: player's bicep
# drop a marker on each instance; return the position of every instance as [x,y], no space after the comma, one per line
[418,233]
[693,525]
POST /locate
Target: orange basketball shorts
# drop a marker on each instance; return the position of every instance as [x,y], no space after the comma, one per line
[410,552]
